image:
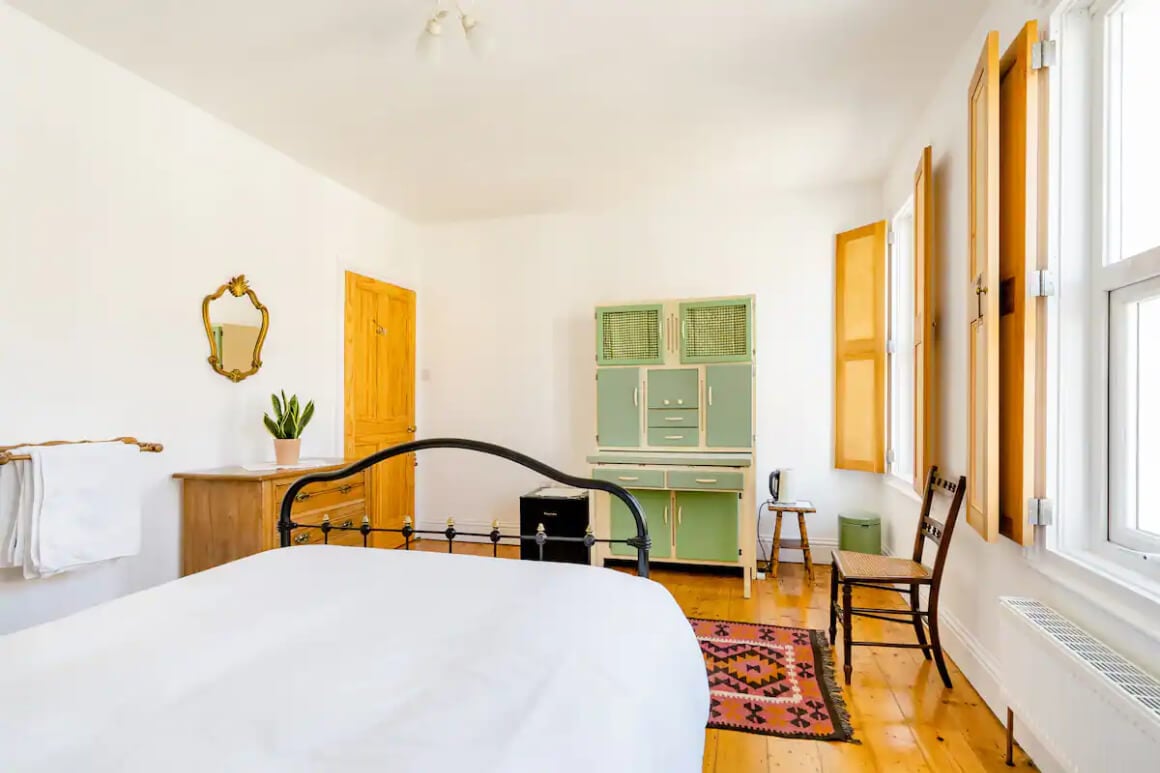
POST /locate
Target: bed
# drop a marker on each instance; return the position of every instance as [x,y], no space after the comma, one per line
[328,658]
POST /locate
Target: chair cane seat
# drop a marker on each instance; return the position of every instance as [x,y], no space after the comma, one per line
[866,566]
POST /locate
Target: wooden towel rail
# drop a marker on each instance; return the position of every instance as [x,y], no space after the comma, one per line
[7,456]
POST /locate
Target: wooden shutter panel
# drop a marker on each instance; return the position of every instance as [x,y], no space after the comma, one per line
[925,359]
[860,349]
[983,302]
[1022,343]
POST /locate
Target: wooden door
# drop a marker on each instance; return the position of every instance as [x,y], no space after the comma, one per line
[1022,316]
[380,394]
[983,187]
[860,349]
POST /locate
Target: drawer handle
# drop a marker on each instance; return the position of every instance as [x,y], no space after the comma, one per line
[674,418]
[345,488]
[627,477]
[349,522]
[301,539]
[674,437]
[302,496]
[706,480]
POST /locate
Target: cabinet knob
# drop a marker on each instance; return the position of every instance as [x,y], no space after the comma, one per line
[680,402]
[666,402]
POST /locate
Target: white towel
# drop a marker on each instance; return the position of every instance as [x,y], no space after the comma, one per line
[82,504]
[11,482]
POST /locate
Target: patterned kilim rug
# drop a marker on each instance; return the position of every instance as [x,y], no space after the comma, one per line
[772,680]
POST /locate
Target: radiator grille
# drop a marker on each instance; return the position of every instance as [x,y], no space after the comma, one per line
[629,335]
[717,331]
[1138,685]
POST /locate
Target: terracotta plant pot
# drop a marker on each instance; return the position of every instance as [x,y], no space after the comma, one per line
[287,451]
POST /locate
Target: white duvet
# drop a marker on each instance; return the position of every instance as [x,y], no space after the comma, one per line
[347,659]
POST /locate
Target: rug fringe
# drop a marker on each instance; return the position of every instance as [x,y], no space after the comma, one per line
[829,671]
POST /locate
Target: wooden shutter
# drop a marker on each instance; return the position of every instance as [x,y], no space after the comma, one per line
[983,301]
[860,349]
[1022,344]
[925,359]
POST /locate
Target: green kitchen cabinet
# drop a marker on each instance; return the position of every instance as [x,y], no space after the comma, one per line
[656,506]
[729,406]
[717,330]
[630,335]
[668,388]
[707,526]
[618,408]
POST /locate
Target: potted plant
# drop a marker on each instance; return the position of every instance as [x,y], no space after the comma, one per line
[286,426]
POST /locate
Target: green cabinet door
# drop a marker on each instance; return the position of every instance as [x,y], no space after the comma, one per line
[672,389]
[629,335]
[707,526]
[717,331]
[618,407]
[656,511]
[729,406]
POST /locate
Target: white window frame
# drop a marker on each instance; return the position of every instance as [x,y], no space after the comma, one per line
[1078,548]
[900,441]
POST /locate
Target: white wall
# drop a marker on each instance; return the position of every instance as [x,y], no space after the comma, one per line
[120,208]
[977,572]
[507,333]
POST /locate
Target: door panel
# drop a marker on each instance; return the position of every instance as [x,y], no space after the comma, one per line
[672,388]
[656,511]
[379,394]
[618,407]
[729,405]
[706,526]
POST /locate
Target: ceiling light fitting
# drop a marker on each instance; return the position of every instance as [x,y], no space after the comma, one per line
[430,45]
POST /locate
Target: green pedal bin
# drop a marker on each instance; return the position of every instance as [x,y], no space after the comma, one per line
[860,532]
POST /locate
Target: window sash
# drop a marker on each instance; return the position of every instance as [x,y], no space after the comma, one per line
[902,336]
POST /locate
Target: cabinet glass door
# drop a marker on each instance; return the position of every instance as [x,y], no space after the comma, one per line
[729,406]
[658,515]
[707,526]
[717,331]
[618,407]
[629,335]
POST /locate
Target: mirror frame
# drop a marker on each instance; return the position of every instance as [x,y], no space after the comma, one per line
[238,286]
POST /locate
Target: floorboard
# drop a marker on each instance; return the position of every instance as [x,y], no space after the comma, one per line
[905,718]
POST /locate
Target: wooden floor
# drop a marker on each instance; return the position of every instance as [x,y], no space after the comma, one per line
[906,720]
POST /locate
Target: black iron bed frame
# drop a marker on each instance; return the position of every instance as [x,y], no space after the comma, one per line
[641,540]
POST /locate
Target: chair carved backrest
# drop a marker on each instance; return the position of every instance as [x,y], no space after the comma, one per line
[938,532]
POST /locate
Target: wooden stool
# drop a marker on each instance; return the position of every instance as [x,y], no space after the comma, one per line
[803,544]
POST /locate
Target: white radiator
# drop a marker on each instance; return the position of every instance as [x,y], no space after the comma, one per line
[1092,709]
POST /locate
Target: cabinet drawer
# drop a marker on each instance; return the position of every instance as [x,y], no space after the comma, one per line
[706,480]
[319,496]
[664,436]
[631,477]
[678,418]
[351,515]
[673,388]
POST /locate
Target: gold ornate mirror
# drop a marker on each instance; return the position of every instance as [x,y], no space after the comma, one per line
[235,325]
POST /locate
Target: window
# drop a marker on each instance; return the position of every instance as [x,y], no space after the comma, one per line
[901,347]
[1106,163]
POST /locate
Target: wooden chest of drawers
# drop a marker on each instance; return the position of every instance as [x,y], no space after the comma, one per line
[230,512]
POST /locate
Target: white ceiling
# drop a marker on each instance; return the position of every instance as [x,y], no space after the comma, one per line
[583,102]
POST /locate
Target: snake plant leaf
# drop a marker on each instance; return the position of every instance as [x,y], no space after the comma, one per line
[307,415]
[277,408]
[272,426]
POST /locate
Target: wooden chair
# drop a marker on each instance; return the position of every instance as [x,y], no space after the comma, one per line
[861,570]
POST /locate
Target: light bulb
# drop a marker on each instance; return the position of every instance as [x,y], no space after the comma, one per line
[478,39]
[429,47]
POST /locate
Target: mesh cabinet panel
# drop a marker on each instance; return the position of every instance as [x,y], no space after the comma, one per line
[630,334]
[717,331]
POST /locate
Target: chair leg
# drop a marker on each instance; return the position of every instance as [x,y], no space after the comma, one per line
[936,644]
[918,630]
[833,602]
[847,630]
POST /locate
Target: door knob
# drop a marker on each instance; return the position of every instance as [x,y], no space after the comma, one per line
[412,429]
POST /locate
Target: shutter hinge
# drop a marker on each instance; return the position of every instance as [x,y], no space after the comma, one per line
[1041,283]
[890,347]
[1039,512]
[890,237]
[890,456]
[1044,53]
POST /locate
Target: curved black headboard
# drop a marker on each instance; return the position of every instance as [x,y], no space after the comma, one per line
[642,542]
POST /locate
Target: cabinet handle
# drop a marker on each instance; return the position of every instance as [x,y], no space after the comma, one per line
[674,437]
[636,397]
[710,395]
[302,496]
[301,539]
[627,477]
[349,522]
[666,515]
[345,488]
[679,511]
[674,418]
[706,480]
